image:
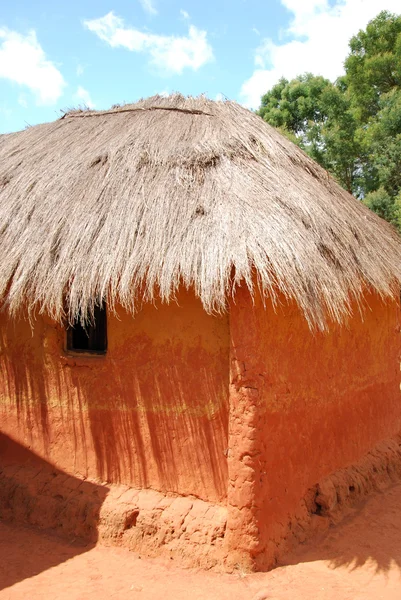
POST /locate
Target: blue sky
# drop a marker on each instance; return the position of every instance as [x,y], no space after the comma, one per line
[56,55]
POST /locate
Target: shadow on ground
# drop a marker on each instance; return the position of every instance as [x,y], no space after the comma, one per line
[36,494]
[370,536]
[19,561]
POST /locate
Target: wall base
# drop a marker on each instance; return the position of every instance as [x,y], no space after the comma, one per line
[146,521]
[183,528]
[335,497]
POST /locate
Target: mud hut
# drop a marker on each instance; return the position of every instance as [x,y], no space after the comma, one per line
[197,317]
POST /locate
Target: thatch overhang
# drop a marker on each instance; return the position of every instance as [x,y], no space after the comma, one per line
[131,203]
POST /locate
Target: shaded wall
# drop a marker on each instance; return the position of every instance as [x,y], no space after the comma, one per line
[151,413]
[35,492]
[302,406]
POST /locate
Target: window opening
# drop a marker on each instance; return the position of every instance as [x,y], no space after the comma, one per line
[90,337]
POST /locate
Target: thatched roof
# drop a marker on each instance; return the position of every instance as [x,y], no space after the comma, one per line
[138,200]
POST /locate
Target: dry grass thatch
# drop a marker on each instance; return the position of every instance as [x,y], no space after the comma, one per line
[140,199]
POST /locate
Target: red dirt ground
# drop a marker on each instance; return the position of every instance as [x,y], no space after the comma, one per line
[360,559]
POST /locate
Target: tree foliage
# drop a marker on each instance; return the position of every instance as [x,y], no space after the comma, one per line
[352,127]
[373,66]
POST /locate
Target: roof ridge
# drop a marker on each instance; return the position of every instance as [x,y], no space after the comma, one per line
[125,110]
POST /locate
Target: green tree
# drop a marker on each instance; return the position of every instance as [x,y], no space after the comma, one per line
[316,114]
[382,146]
[352,127]
[373,76]
[373,66]
[387,207]
[296,105]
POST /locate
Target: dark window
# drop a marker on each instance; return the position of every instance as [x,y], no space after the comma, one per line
[91,337]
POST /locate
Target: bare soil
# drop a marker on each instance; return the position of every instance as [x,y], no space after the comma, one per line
[359,559]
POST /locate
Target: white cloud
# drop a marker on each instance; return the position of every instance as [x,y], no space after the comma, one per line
[22,100]
[305,7]
[184,14]
[82,96]
[80,70]
[319,42]
[23,61]
[148,7]
[170,54]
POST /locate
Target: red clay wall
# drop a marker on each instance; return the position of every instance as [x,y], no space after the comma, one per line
[302,406]
[152,413]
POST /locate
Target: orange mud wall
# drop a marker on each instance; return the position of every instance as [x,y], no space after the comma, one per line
[151,413]
[302,405]
[250,411]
